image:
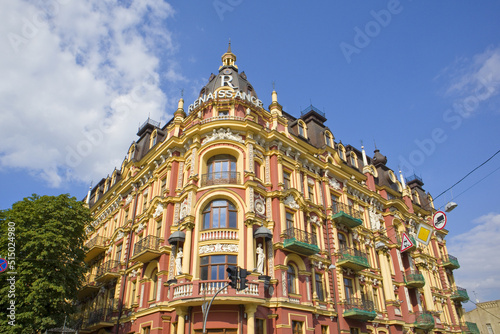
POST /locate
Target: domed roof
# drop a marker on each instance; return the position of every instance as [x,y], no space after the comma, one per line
[228,76]
[379,159]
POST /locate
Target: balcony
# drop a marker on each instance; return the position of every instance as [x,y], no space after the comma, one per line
[108,271]
[472,327]
[424,320]
[347,215]
[96,319]
[352,258]
[301,242]
[217,178]
[89,286]
[414,279]
[146,249]
[359,309]
[185,292]
[95,247]
[460,295]
[451,262]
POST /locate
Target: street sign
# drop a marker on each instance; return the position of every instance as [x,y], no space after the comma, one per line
[406,243]
[424,234]
[439,220]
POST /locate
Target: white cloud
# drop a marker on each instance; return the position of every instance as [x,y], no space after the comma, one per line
[78,79]
[477,252]
[471,82]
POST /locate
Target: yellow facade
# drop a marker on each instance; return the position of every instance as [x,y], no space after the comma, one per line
[228,183]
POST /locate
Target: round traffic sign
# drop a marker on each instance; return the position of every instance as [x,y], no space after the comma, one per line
[3,265]
[439,220]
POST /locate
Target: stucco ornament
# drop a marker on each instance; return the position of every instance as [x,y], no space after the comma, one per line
[158,211]
[261,258]
[178,261]
[260,206]
[184,209]
[140,228]
[290,202]
[128,199]
[223,134]
[230,248]
[375,218]
[119,235]
[335,184]
[314,219]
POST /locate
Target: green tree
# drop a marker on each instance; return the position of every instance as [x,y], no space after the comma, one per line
[49,235]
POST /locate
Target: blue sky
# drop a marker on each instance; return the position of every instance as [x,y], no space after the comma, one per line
[419,78]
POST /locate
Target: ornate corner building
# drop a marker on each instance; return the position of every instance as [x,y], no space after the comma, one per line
[228,183]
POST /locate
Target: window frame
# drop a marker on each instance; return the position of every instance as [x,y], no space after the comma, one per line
[230,212]
[209,265]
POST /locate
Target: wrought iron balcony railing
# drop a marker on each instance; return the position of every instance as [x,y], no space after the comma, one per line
[414,279]
[301,241]
[451,262]
[346,215]
[150,242]
[424,320]
[110,266]
[216,178]
[360,309]
[96,241]
[353,258]
[460,295]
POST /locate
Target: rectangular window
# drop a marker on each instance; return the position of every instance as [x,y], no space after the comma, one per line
[286,180]
[297,327]
[490,329]
[132,297]
[259,326]
[319,287]
[144,200]
[158,228]
[348,289]
[375,299]
[118,254]
[354,330]
[289,220]
[324,329]
[146,330]
[310,189]
[257,170]
[163,184]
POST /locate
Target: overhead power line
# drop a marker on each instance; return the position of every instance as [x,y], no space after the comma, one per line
[469,173]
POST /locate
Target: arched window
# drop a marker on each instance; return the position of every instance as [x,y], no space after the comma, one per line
[219,214]
[302,130]
[221,169]
[354,160]
[342,152]
[291,277]
[328,139]
[154,138]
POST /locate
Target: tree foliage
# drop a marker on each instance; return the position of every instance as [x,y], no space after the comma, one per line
[49,235]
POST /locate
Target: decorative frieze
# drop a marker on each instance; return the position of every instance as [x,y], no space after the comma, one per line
[218,248]
[222,134]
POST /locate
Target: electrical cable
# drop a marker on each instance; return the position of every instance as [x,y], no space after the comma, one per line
[485,310]
[466,175]
[473,185]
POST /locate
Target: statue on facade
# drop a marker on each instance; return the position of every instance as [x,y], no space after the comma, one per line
[178,261]
[261,257]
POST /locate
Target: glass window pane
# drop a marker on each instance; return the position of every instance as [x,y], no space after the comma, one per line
[204,273]
[222,272]
[231,206]
[206,220]
[231,259]
[204,259]
[213,272]
[215,218]
[219,203]
[225,166]
[218,259]
[233,166]
[223,217]
[232,219]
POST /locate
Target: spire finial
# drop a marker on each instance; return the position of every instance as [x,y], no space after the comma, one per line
[274,85]
[228,58]
[229,46]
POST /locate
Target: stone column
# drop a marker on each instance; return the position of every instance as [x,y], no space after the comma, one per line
[250,249]
[250,311]
[181,322]
[429,303]
[386,275]
[186,261]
